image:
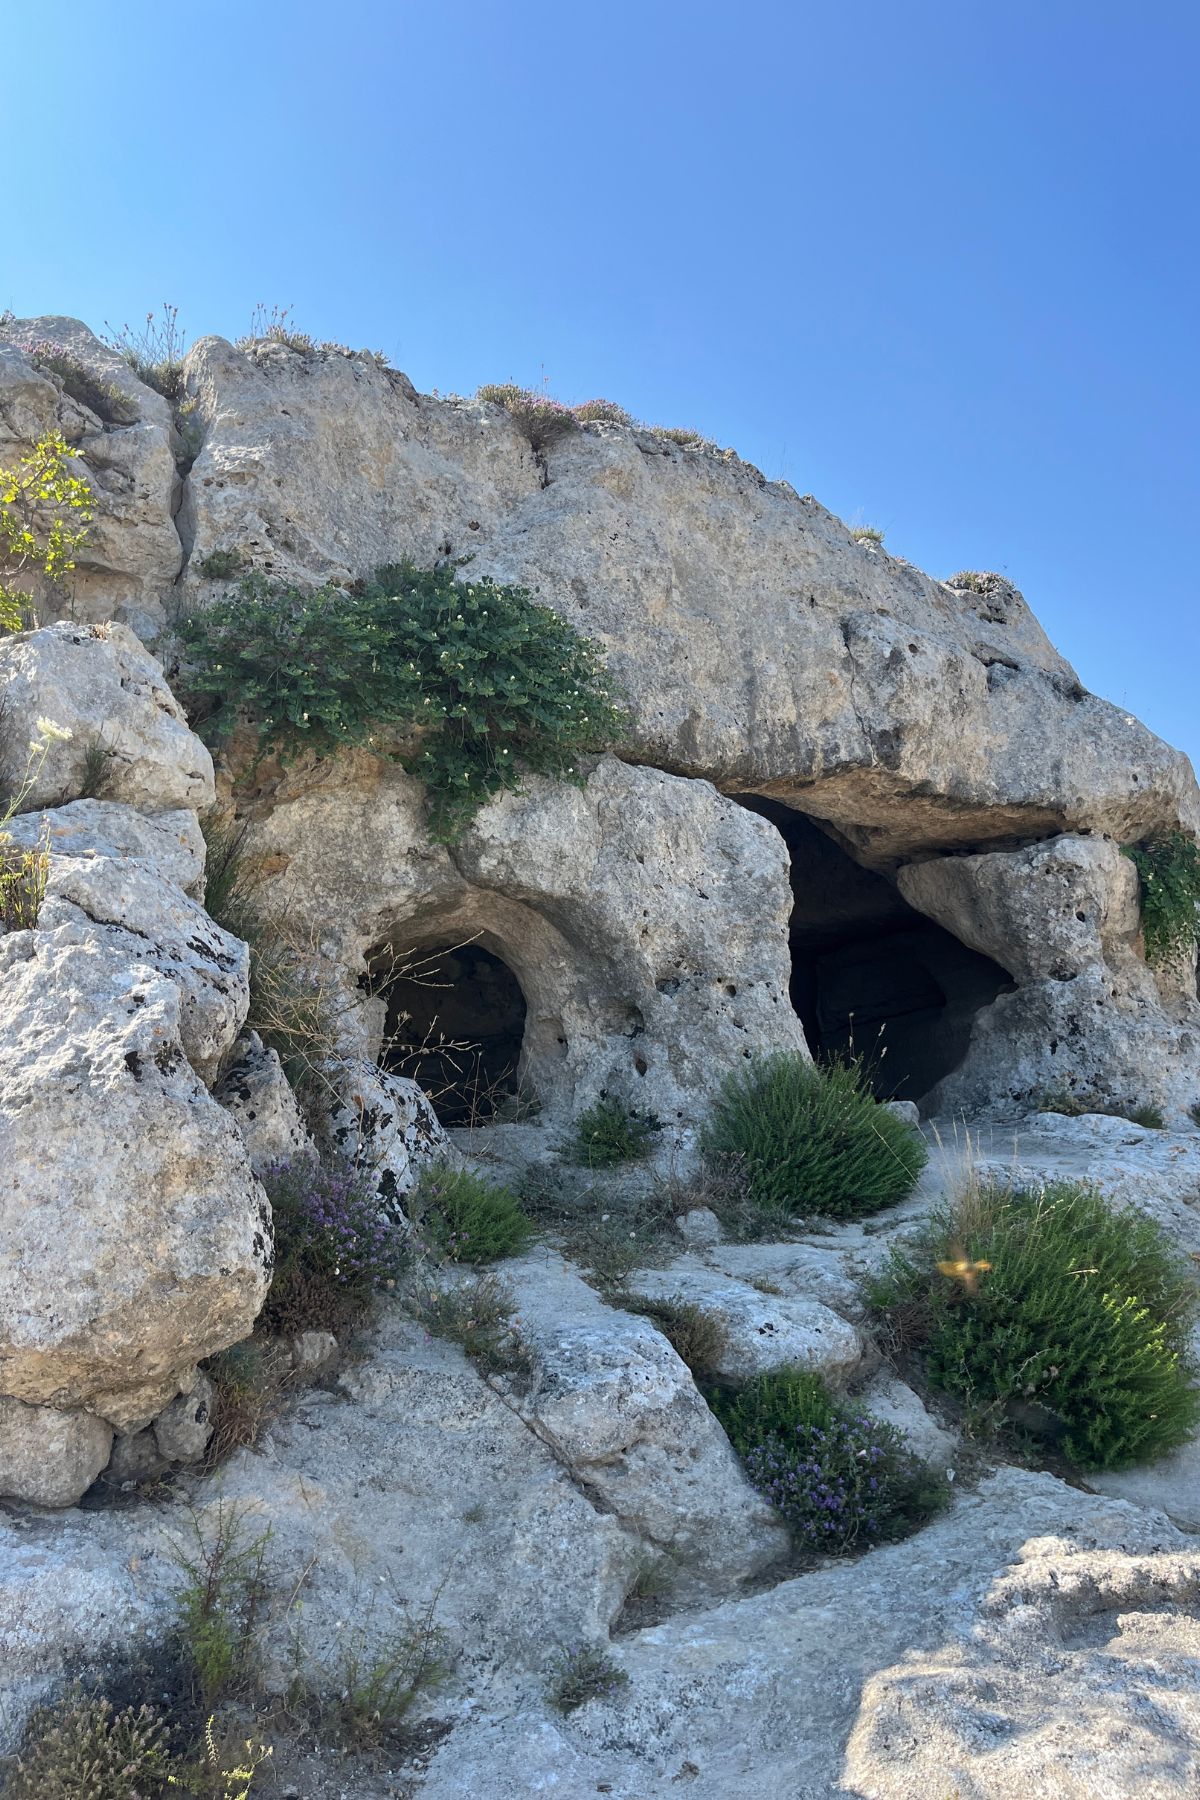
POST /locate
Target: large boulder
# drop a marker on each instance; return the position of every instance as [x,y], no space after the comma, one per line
[255,1090]
[131,555]
[96,684]
[170,843]
[762,644]
[643,915]
[137,1239]
[382,1126]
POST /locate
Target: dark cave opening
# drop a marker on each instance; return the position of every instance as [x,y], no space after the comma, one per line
[871,976]
[455,1024]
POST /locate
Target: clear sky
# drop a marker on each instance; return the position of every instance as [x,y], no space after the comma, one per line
[934,262]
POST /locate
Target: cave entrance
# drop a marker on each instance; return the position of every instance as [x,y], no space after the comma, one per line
[455,1024]
[871,976]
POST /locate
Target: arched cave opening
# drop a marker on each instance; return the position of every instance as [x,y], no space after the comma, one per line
[870,974]
[455,1024]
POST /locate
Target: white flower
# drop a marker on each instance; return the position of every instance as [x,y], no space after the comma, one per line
[52,733]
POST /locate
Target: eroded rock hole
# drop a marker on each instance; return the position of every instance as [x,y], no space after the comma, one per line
[871,974]
[455,1023]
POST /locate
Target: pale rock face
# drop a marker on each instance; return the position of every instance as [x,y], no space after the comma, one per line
[98,683]
[131,554]
[256,1091]
[621,1411]
[892,1402]
[762,1331]
[169,843]
[183,1428]
[137,1240]
[643,915]
[1087,1016]
[1032,1640]
[48,1457]
[761,645]
[131,910]
[384,1127]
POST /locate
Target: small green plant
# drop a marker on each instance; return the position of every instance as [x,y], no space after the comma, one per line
[81,1749]
[221,565]
[866,534]
[976,581]
[155,351]
[583,1674]
[220,1604]
[247,1381]
[811,1140]
[45,512]
[1051,1312]
[698,1337]
[23,876]
[464,1218]
[335,1249]
[609,1133]
[379,1675]
[97,768]
[102,397]
[841,1479]
[1169,873]
[208,1777]
[275,327]
[479,1316]
[542,419]
[484,681]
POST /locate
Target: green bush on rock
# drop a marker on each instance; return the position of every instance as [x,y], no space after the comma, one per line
[462,1217]
[479,680]
[1169,877]
[811,1140]
[1052,1312]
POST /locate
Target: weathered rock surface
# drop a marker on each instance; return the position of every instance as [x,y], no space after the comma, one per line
[762,1331]
[137,1240]
[383,1126]
[49,1457]
[643,915]
[183,1428]
[1088,1017]
[1032,1641]
[170,843]
[99,684]
[762,645]
[893,1403]
[131,554]
[622,1413]
[134,912]
[256,1091]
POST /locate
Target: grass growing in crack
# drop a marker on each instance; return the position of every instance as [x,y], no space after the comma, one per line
[248,1380]
[154,350]
[1073,1105]
[583,1674]
[377,1677]
[97,768]
[608,1231]
[698,1337]
[221,565]
[478,1315]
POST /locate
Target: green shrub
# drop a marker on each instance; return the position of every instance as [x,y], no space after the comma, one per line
[609,1133]
[82,1750]
[840,1479]
[687,440]
[102,397]
[465,1218]
[1055,1313]
[220,1604]
[478,1315]
[698,1337]
[481,680]
[1169,873]
[812,1140]
[866,534]
[1073,1105]
[335,1249]
[606,412]
[220,565]
[45,512]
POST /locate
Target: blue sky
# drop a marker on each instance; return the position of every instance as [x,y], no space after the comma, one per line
[935,263]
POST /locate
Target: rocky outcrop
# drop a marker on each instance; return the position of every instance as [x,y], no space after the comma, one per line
[761,1330]
[105,694]
[382,1125]
[763,646]
[170,843]
[132,553]
[643,915]
[254,1090]
[137,1240]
